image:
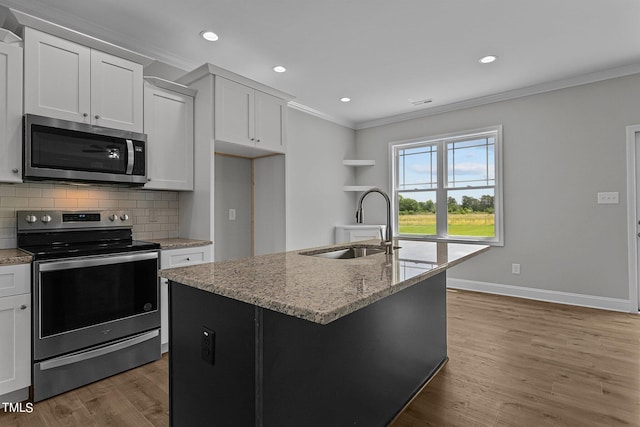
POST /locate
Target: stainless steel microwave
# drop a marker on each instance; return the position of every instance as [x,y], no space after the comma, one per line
[57,149]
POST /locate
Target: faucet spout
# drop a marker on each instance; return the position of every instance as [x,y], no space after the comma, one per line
[388,242]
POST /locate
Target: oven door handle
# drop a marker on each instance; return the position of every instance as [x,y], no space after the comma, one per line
[92,354]
[92,262]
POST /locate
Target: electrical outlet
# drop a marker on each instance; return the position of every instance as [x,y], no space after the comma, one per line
[515,268]
[208,345]
[232,214]
[608,198]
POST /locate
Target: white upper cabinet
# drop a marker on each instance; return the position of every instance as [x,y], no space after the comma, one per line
[69,81]
[234,113]
[270,118]
[116,92]
[249,117]
[168,123]
[10,113]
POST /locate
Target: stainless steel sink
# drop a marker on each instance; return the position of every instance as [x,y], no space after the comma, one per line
[355,251]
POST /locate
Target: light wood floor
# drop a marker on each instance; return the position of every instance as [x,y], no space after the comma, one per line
[512,362]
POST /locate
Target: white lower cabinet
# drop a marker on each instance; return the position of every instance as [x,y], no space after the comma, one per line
[15,331]
[170,258]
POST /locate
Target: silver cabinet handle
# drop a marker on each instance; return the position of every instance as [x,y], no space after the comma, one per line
[188,258]
[97,117]
[23,307]
[258,140]
[85,114]
[15,170]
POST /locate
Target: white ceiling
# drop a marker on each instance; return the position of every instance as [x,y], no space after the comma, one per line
[380,53]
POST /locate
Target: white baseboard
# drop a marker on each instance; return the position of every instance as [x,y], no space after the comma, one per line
[604,303]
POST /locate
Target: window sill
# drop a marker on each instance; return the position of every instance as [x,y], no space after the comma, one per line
[449,240]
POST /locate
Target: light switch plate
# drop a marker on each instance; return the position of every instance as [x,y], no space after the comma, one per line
[608,198]
[232,214]
[515,268]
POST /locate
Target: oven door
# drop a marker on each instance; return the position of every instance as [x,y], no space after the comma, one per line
[85,301]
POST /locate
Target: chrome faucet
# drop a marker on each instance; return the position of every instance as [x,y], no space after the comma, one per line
[388,242]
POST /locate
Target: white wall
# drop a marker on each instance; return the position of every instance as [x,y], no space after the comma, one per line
[196,221]
[232,190]
[560,149]
[316,202]
[269,205]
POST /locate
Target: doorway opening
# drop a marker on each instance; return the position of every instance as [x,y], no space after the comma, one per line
[633,213]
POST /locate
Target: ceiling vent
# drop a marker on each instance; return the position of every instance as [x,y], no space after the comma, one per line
[420,102]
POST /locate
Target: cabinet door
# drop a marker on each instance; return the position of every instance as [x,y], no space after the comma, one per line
[57,77]
[116,92]
[10,113]
[270,122]
[15,350]
[234,113]
[15,279]
[168,123]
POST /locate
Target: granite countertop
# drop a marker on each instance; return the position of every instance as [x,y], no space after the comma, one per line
[320,289]
[178,243]
[14,256]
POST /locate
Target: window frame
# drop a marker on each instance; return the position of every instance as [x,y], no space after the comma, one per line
[442,190]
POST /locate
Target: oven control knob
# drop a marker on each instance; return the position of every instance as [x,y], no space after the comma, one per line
[46,218]
[124,217]
[113,217]
[31,219]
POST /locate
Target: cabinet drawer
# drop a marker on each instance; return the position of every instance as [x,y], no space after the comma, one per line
[15,279]
[187,256]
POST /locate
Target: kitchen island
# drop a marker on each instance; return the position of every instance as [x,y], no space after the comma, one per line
[297,339]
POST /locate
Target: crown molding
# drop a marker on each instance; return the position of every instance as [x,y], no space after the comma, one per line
[583,79]
[31,21]
[210,69]
[320,114]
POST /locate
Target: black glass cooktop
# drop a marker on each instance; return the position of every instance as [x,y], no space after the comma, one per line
[56,251]
[68,244]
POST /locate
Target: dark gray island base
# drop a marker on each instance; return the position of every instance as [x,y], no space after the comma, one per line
[271,369]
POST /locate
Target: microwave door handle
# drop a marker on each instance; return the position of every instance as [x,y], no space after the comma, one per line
[130,157]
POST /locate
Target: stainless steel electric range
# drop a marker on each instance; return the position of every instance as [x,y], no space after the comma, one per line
[96,309]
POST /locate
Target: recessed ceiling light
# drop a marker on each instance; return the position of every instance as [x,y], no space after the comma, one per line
[279,69]
[488,59]
[345,99]
[209,36]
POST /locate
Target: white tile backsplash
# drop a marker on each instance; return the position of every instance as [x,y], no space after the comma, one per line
[143,205]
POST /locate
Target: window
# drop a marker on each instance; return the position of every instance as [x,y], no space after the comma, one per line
[449,187]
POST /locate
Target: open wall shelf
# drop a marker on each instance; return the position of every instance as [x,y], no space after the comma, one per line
[358,163]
